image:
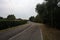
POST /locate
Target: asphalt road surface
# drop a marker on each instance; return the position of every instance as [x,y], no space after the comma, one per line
[30,31]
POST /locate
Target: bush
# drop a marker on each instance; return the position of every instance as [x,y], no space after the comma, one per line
[8,24]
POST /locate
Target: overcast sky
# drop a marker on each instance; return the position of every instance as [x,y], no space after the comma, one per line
[20,8]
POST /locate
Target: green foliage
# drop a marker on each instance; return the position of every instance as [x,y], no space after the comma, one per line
[49,13]
[31,18]
[37,19]
[1,17]
[8,24]
[11,17]
[41,10]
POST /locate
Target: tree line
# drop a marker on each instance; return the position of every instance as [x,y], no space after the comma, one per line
[9,17]
[48,13]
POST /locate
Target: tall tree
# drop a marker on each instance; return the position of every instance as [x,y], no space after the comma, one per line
[11,17]
[1,17]
[31,18]
[49,12]
[38,19]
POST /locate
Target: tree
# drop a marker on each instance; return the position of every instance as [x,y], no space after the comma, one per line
[38,19]
[1,17]
[31,18]
[11,17]
[53,13]
[49,12]
[41,10]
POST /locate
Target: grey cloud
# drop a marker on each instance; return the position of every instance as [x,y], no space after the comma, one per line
[20,8]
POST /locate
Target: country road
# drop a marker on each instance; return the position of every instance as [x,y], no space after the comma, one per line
[30,31]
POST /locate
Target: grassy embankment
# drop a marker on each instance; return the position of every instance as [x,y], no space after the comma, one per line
[50,33]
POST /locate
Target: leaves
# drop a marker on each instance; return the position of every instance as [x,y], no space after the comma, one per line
[49,13]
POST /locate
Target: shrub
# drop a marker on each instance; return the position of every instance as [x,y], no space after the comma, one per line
[8,24]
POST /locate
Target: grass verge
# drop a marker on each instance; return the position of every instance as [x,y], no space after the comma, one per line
[20,27]
[50,33]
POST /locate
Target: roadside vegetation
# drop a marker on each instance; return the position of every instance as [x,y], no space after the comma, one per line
[49,33]
[10,21]
[48,13]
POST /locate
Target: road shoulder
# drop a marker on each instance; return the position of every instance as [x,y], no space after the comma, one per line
[49,33]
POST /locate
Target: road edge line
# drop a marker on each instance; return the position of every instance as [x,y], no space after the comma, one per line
[41,35]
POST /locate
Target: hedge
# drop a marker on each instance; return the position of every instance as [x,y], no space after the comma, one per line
[8,24]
